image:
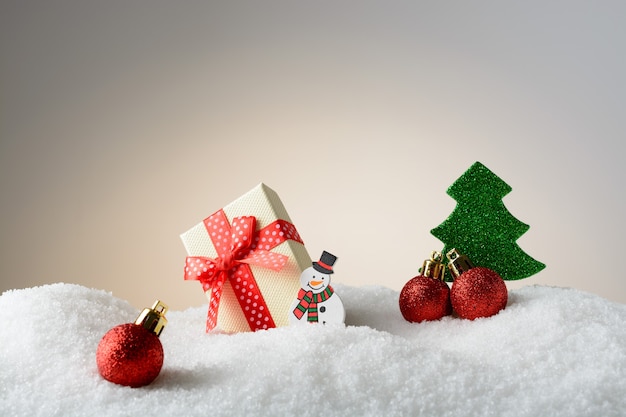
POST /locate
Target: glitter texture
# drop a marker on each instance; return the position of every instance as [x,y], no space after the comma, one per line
[424,298]
[482,228]
[130,355]
[478,292]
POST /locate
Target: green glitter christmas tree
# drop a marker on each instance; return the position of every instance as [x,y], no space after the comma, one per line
[482,228]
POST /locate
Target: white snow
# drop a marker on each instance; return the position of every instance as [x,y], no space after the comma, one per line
[551,352]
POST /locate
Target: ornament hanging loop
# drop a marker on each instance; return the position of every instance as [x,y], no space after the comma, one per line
[458,263]
[153,319]
[433,267]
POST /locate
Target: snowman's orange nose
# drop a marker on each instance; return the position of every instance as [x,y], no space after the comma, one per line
[316,283]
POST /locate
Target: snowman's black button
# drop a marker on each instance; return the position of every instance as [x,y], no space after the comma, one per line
[322,309]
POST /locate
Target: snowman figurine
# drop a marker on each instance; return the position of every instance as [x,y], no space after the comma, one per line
[317,302]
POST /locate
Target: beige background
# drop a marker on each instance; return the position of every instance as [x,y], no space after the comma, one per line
[124,123]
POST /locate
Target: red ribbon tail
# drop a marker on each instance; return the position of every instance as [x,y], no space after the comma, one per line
[214,302]
[210,324]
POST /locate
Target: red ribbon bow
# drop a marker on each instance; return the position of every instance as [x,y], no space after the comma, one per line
[238,246]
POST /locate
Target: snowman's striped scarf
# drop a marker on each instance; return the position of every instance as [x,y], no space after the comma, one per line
[308,302]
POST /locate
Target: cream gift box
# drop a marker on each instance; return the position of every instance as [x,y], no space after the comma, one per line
[248,257]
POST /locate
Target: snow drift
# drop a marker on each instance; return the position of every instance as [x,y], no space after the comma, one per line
[552,351]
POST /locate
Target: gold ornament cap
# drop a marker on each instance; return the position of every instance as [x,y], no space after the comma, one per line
[433,267]
[153,318]
[458,263]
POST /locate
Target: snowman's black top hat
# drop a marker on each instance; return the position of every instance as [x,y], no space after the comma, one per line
[325,264]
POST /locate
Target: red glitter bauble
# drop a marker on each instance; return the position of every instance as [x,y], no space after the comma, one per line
[424,298]
[478,292]
[130,355]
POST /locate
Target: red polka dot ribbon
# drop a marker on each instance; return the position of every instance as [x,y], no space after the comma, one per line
[239,245]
